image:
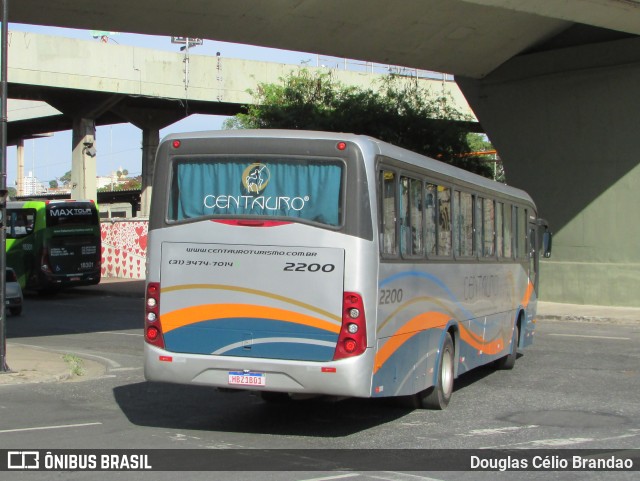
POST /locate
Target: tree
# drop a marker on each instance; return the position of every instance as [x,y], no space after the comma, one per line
[400,112]
[53,184]
[66,178]
[484,151]
[134,183]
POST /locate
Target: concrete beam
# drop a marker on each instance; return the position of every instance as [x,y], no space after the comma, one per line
[444,35]
[611,14]
[64,65]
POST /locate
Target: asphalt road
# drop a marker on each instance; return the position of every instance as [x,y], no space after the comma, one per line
[577,387]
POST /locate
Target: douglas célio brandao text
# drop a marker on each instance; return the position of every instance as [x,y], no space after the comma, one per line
[551,463]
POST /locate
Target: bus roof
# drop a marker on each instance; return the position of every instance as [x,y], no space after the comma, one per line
[461,176]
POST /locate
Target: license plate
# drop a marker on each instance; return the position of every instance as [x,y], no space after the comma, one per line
[241,378]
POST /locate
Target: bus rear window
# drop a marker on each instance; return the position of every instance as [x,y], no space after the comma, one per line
[63,214]
[306,189]
[20,222]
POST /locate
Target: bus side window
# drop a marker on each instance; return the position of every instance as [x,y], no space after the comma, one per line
[508,221]
[411,243]
[478,225]
[522,240]
[388,214]
[444,221]
[488,227]
[431,212]
[499,230]
[464,224]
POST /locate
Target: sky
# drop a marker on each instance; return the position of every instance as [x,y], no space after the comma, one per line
[119,145]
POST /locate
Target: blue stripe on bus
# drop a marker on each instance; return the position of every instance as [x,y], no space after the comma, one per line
[208,337]
[432,278]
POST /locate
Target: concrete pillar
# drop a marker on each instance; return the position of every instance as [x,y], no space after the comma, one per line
[20,167]
[83,160]
[150,142]
[565,123]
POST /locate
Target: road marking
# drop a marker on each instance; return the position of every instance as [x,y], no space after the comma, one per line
[401,476]
[493,431]
[592,337]
[120,333]
[44,428]
[337,476]
[391,476]
[112,364]
[537,443]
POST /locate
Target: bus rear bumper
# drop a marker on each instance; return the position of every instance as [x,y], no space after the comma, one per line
[50,281]
[347,377]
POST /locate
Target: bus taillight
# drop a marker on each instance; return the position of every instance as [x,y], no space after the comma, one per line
[352,340]
[152,328]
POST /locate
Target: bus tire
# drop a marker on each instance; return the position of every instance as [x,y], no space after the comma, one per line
[438,396]
[509,361]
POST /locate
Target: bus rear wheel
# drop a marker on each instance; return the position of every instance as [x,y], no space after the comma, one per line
[438,396]
[509,361]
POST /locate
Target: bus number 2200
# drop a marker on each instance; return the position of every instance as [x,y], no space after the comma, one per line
[302,267]
[390,296]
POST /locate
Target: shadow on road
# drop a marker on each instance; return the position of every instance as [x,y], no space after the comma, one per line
[201,408]
[75,311]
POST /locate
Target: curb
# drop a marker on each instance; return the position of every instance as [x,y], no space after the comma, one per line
[33,364]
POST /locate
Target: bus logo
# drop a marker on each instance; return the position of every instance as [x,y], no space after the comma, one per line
[23,459]
[255,178]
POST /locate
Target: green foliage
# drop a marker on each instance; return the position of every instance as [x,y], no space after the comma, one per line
[75,364]
[66,178]
[400,112]
[134,183]
[480,144]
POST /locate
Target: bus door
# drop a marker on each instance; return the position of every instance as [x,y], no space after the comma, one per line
[534,258]
[539,244]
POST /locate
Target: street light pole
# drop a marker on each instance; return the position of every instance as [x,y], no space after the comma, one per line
[3,186]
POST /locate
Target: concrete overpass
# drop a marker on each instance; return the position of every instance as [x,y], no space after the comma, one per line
[553,83]
[90,83]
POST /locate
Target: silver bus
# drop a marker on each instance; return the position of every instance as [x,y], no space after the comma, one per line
[310,263]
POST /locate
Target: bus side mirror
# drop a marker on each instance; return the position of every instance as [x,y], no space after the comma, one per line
[546,244]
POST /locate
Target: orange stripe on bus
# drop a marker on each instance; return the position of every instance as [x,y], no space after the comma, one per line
[247,290]
[493,347]
[527,295]
[486,347]
[470,338]
[415,325]
[211,312]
